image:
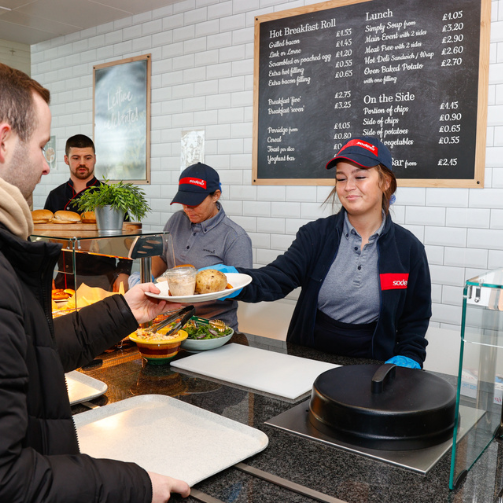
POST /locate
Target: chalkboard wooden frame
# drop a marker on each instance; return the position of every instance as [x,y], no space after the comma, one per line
[125,153]
[477,181]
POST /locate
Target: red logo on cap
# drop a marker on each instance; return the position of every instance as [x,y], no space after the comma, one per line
[193,181]
[394,281]
[362,144]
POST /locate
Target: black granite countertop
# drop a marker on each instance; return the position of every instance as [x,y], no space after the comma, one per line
[347,476]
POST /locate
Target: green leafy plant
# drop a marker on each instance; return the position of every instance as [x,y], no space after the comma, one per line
[121,196]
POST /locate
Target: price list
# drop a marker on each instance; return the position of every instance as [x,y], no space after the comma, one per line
[405,72]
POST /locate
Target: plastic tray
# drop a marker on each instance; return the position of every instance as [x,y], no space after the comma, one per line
[82,388]
[167,436]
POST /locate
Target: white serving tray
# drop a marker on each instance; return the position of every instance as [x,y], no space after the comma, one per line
[275,373]
[167,436]
[82,387]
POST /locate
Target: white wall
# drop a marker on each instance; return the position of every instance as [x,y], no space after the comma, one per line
[202,78]
[15,55]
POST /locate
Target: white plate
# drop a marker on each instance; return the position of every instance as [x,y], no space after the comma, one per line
[237,280]
[167,436]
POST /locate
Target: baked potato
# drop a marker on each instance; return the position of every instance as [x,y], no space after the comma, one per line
[210,280]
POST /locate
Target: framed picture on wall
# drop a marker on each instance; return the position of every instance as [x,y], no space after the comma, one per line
[50,152]
[121,119]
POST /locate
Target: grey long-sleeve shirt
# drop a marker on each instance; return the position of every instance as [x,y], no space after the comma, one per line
[217,240]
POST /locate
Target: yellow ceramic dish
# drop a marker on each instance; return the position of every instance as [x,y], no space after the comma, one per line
[159,352]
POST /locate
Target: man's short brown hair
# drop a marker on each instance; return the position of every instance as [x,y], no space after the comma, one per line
[16,100]
[78,141]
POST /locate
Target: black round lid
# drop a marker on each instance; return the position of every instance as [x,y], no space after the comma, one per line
[383,406]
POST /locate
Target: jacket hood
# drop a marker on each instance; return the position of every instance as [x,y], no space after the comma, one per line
[14,210]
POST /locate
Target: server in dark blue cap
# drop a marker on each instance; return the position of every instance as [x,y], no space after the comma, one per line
[365,281]
[196,183]
[204,236]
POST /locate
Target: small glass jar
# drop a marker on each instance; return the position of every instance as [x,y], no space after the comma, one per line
[181,281]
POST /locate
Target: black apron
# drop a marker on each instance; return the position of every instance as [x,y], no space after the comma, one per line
[345,339]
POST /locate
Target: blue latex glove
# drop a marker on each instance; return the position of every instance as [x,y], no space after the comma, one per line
[403,361]
[134,279]
[225,269]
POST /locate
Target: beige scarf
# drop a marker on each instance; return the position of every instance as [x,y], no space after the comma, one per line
[14,211]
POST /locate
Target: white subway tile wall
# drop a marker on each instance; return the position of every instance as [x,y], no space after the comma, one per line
[436,293]
[202,78]
[435,254]
[469,217]
[452,295]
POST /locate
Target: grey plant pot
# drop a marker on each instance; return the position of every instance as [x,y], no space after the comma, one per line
[109,220]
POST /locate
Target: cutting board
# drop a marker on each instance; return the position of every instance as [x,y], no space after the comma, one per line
[275,373]
[167,436]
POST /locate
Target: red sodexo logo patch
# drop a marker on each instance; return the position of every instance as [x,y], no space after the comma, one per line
[394,281]
[360,143]
[193,181]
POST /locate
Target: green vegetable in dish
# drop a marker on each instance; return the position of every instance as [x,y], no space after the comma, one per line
[202,332]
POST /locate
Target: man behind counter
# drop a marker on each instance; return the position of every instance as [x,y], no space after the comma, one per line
[80,156]
[95,271]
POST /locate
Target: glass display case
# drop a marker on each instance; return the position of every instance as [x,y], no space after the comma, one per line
[92,266]
[480,377]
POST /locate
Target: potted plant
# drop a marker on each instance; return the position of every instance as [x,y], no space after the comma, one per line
[111,201]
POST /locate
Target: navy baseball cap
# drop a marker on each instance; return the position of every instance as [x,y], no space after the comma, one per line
[195,184]
[364,151]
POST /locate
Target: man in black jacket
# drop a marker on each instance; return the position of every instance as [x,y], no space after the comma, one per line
[39,453]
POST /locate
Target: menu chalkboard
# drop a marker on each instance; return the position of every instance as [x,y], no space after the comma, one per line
[122,119]
[412,73]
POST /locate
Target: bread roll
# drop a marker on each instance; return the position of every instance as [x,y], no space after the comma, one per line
[66,217]
[88,217]
[210,280]
[60,294]
[42,216]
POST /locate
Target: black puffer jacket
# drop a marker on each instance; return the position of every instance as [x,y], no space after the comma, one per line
[39,452]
